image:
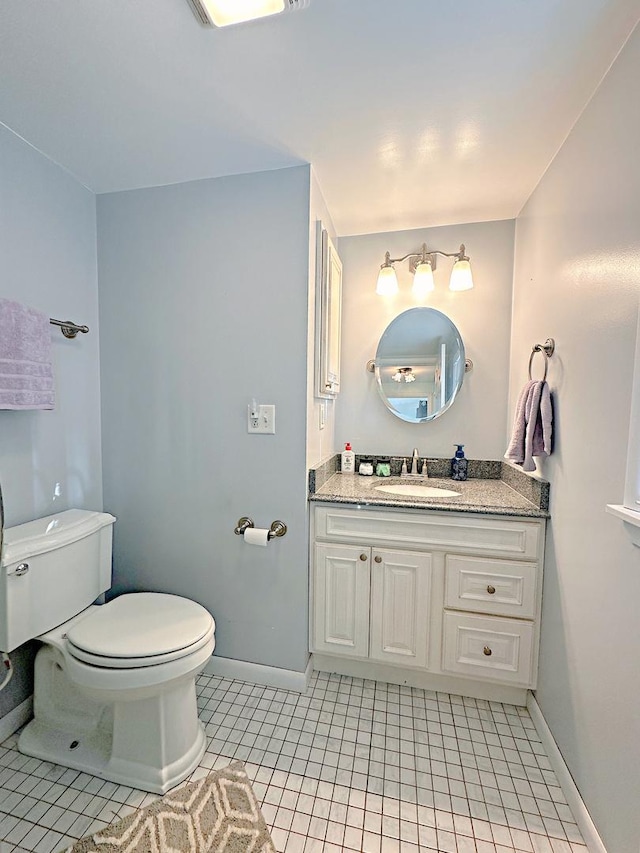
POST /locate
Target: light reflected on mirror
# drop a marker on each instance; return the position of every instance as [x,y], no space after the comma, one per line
[404,374]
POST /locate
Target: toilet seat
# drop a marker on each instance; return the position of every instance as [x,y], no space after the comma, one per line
[140,630]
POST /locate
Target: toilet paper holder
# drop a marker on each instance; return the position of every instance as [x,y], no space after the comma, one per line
[278,528]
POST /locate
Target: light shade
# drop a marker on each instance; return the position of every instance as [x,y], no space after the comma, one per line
[225,12]
[461,278]
[404,374]
[387,282]
[423,282]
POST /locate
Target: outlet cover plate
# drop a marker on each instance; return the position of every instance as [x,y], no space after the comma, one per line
[264,423]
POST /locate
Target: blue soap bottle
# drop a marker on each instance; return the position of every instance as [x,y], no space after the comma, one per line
[459,464]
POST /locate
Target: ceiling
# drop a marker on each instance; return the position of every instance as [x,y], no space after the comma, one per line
[413,113]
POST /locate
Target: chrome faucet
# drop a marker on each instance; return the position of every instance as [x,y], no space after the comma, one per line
[415,463]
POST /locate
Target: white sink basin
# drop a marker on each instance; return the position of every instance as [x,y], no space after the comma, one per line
[415,490]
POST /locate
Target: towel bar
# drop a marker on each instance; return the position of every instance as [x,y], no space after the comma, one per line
[547,348]
[69,329]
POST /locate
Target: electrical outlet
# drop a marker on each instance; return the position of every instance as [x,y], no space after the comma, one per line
[253,416]
[261,419]
[323,416]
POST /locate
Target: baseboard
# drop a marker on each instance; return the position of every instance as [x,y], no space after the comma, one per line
[255,673]
[393,674]
[12,721]
[569,788]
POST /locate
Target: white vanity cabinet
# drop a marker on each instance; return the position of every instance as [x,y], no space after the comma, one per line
[451,598]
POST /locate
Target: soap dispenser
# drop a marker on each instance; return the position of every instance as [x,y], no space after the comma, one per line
[348,460]
[459,464]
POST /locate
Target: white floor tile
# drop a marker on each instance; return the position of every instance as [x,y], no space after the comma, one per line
[350,765]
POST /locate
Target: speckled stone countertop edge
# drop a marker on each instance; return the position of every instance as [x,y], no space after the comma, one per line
[441,506]
[531,488]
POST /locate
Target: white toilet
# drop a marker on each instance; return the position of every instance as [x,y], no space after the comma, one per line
[114,683]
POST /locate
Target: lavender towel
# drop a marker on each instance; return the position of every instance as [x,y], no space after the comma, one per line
[26,373]
[532,426]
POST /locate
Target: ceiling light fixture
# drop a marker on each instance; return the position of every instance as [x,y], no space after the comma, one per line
[404,374]
[422,264]
[222,13]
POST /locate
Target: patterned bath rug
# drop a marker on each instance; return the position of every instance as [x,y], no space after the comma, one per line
[216,814]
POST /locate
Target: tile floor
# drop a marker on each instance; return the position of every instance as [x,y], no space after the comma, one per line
[349,765]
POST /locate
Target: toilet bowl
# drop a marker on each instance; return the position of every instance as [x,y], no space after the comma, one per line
[114,690]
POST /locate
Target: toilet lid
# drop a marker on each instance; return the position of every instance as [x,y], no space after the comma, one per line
[141,625]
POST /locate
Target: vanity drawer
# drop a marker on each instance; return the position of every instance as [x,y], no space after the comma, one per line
[488,647]
[499,587]
[431,530]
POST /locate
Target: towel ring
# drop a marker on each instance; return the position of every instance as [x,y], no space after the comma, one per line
[547,348]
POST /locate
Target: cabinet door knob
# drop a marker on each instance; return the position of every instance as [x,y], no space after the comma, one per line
[363,557]
[491,589]
[378,559]
[487,651]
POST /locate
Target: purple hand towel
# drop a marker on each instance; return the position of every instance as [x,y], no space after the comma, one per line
[26,373]
[515,451]
[532,426]
[540,444]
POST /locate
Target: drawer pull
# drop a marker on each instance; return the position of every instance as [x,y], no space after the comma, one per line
[363,557]
[378,559]
[491,589]
[487,651]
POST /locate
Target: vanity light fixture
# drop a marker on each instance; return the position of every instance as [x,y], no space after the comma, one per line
[404,374]
[222,13]
[422,264]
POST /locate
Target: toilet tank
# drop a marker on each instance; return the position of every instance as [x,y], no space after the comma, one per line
[50,570]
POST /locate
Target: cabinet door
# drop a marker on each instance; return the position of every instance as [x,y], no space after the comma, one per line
[400,600]
[341,600]
[329,316]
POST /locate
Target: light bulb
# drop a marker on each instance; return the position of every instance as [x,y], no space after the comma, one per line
[387,282]
[461,278]
[423,280]
[225,12]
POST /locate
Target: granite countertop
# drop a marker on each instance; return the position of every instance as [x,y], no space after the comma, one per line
[477,495]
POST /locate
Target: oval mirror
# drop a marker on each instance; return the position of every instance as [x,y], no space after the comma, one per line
[419,364]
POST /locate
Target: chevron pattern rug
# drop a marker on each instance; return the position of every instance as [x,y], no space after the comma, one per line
[217,814]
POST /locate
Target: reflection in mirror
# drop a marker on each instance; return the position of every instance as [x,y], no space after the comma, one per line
[419,364]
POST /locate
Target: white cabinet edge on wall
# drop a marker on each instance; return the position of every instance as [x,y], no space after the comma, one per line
[328,315]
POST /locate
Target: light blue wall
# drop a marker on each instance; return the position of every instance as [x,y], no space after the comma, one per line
[577,276]
[482,315]
[203,305]
[48,261]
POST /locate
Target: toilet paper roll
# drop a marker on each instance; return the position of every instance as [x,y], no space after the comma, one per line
[256,536]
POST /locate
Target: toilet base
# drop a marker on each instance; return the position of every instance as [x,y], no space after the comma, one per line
[93,755]
[153,742]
